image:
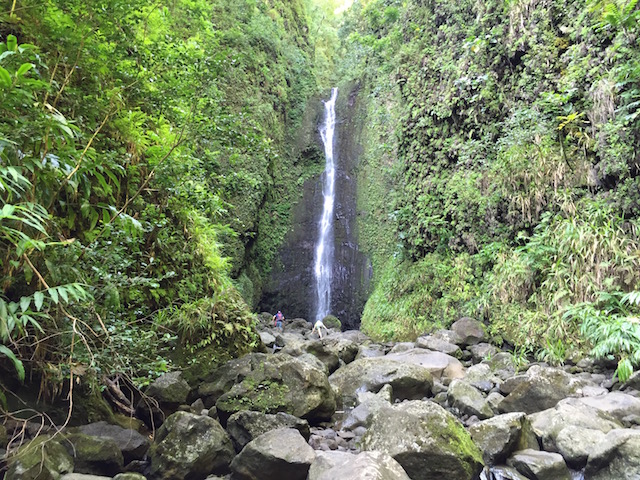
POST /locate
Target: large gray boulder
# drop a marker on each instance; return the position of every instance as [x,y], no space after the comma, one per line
[132,444]
[246,425]
[434,343]
[481,377]
[539,389]
[271,384]
[274,455]
[538,465]
[502,435]
[162,398]
[363,466]
[469,330]
[95,455]
[482,351]
[344,347]
[368,404]
[429,442]
[620,405]
[407,380]
[169,389]
[43,458]
[326,355]
[441,365]
[549,424]
[615,458]
[372,350]
[190,446]
[575,444]
[468,400]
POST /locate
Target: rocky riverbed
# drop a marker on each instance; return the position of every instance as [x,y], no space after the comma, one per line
[447,406]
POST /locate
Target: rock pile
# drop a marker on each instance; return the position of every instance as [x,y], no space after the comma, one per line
[447,406]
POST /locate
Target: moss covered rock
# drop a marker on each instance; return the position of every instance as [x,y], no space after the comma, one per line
[43,459]
[271,384]
[190,446]
[95,455]
[425,439]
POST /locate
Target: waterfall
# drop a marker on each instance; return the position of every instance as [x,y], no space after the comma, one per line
[324,247]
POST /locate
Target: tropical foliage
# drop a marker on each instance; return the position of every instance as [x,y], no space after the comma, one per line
[516,186]
[145,163]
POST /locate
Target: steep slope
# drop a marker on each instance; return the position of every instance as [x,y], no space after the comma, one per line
[514,168]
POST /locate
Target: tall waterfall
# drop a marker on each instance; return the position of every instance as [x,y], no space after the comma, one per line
[324,247]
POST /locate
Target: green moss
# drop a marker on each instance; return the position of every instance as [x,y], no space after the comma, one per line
[43,458]
[464,447]
[265,396]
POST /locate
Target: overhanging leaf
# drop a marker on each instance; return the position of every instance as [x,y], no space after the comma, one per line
[16,361]
[5,78]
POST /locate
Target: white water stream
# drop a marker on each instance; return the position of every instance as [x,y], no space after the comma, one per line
[324,247]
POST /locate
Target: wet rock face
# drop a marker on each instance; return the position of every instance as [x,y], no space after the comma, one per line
[291,287]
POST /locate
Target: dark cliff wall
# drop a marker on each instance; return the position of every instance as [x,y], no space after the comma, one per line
[291,287]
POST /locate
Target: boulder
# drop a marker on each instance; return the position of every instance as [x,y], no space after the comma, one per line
[170,389]
[363,466]
[617,404]
[356,336]
[469,330]
[633,382]
[615,458]
[548,424]
[408,381]
[482,351]
[368,403]
[468,400]
[502,364]
[502,435]
[481,377]
[345,348]
[274,383]
[576,443]
[425,439]
[190,446]
[537,465]
[448,336]
[502,472]
[162,398]
[540,388]
[43,458]
[431,342]
[246,425]
[129,476]
[441,365]
[94,455]
[133,445]
[267,339]
[274,455]
[328,356]
[373,350]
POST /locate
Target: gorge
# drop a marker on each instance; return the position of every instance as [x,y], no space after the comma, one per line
[168,181]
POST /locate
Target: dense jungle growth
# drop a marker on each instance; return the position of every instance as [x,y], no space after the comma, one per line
[150,155]
[147,166]
[508,135]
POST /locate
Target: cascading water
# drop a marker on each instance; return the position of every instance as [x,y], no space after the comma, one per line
[324,247]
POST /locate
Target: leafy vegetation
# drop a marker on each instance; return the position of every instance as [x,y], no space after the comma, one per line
[146,162]
[512,173]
